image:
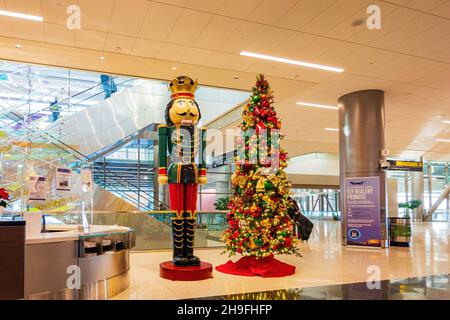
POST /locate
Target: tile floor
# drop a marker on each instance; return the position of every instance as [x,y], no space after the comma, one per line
[325,262]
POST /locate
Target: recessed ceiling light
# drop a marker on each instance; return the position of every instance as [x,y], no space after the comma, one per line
[443,140]
[174,68]
[102,58]
[19,46]
[315,105]
[446,121]
[20,15]
[331,129]
[236,77]
[289,61]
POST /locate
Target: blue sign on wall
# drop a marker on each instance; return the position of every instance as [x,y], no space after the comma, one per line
[362,208]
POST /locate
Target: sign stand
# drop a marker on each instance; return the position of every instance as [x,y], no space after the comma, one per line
[362,209]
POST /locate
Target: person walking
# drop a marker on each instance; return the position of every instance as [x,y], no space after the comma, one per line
[302,225]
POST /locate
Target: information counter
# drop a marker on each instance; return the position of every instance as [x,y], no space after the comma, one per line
[64,263]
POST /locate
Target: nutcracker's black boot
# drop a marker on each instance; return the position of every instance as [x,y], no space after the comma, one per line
[178,231]
[189,227]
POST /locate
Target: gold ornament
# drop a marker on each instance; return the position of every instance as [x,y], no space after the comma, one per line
[234,178]
[260,184]
[252,244]
[242,181]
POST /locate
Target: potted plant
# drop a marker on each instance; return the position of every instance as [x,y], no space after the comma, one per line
[410,205]
[400,228]
[222,203]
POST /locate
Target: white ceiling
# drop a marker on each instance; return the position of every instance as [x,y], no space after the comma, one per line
[409,57]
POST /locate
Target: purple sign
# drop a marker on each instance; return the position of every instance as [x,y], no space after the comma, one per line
[362,207]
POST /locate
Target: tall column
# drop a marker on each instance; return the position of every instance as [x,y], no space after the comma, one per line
[417,187]
[361,140]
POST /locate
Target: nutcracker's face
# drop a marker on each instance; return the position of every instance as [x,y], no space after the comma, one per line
[183,111]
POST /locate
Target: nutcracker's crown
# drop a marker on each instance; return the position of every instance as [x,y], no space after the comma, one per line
[183,86]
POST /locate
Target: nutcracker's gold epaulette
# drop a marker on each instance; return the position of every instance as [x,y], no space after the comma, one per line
[163,129]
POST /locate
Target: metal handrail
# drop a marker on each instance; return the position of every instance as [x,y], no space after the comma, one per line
[75,95]
[138,188]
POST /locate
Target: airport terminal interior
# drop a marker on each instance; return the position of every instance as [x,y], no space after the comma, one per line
[224,149]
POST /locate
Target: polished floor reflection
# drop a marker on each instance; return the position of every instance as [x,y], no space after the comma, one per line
[325,263]
[419,288]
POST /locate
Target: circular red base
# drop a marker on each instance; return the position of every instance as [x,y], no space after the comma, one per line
[168,271]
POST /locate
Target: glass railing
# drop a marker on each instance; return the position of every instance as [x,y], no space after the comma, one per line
[326,215]
[152,228]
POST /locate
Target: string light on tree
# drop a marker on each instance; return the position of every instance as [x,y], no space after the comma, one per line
[258,221]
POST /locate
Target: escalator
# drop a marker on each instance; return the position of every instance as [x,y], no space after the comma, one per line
[79,142]
[129,173]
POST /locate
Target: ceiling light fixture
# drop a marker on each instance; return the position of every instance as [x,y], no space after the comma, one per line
[20,15]
[289,61]
[443,140]
[19,46]
[331,129]
[102,58]
[446,121]
[174,68]
[315,105]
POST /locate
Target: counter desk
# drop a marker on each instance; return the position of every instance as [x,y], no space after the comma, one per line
[65,263]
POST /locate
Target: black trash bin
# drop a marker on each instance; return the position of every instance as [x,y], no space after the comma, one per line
[400,232]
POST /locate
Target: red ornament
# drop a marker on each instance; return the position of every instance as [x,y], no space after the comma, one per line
[272,119]
[260,126]
[288,242]
[249,192]
[264,113]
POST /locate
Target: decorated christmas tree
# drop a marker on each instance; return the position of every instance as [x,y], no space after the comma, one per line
[259,224]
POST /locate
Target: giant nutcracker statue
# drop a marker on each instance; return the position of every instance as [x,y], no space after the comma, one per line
[184,142]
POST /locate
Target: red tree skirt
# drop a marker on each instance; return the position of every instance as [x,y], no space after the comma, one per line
[268,267]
